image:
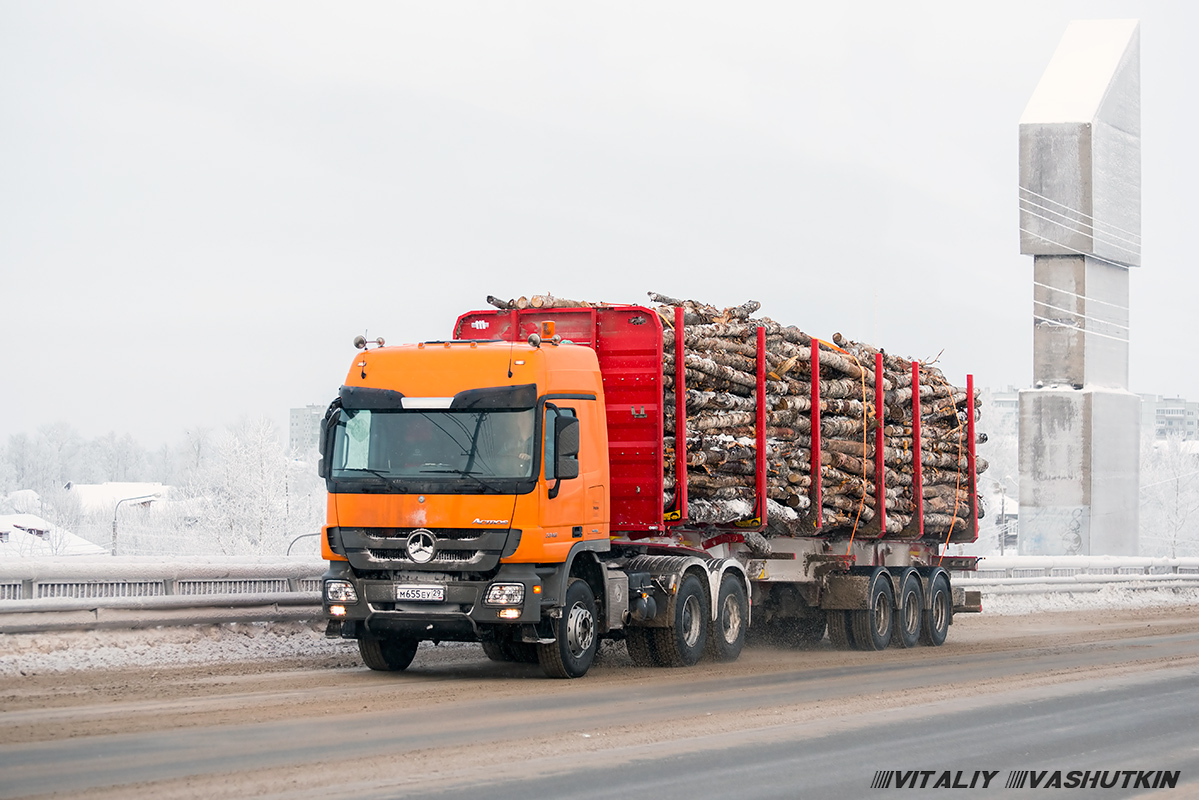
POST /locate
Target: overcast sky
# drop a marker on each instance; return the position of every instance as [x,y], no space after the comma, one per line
[201,204]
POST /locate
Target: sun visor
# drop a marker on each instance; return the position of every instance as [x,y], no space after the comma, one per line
[358,398]
[512,398]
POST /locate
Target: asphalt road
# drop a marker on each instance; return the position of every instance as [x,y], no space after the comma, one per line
[1105,692]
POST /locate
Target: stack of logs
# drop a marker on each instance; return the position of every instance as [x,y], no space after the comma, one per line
[721,379]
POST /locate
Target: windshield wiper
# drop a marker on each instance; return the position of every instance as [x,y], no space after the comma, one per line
[455,471]
[387,480]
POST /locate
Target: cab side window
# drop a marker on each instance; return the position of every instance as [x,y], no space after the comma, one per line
[552,415]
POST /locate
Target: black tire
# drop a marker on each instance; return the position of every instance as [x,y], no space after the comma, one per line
[872,627]
[387,655]
[727,637]
[683,643]
[576,635]
[840,632]
[937,617]
[640,644]
[910,614]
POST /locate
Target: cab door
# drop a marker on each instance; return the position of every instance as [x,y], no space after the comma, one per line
[565,504]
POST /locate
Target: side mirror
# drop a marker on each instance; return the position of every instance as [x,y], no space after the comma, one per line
[332,416]
[566,448]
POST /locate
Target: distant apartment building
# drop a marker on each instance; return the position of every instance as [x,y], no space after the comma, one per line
[1169,416]
[1006,401]
[1164,416]
[305,429]
[1004,407]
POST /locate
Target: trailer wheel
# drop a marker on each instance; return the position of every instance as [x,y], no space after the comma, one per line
[387,655]
[872,626]
[683,643]
[573,650]
[640,644]
[911,612]
[938,614]
[728,636]
[840,632]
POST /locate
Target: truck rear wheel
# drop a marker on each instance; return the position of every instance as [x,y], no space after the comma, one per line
[911,611]
[872,626]
[573,651]
[387,655]
[938,614]
[732,613]
[683,643]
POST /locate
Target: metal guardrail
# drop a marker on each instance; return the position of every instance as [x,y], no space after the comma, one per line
[142,592]
[1041,574]
[65,593]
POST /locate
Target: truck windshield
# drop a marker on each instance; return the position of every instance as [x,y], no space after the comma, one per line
[426,446]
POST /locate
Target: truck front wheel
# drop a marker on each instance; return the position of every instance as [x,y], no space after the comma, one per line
[573,650]
[387,655]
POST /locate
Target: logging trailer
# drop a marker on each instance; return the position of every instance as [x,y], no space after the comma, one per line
[507,487]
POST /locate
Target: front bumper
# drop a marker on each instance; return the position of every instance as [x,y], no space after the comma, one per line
[459,617]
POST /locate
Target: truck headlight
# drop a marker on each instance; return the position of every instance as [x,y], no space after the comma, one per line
[340,592]
[505,594]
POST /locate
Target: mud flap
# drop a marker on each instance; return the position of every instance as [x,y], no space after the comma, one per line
[967,602]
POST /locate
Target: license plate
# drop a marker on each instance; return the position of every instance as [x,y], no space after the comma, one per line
[433,594]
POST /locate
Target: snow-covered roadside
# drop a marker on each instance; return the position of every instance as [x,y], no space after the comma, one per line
[68,651]
[40,653]
[1114,596]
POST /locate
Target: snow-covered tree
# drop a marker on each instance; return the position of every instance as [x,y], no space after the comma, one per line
[1169,497]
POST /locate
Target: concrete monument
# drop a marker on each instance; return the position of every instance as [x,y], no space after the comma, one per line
[1080,219]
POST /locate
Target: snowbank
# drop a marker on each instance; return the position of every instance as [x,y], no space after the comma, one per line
[68,651]
[1124,595]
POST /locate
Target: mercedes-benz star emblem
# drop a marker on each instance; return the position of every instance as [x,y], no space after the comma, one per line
[421,546]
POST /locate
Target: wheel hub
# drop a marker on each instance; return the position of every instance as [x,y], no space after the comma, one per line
[580,629]
[731,617]
[691,621]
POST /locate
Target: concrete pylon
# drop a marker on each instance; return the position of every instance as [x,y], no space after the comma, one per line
[1080,219]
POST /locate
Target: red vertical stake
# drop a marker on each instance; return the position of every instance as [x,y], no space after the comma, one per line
[760,456]
[880,475]
[680,421]
[917,476]
[971,455]
[818,518]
